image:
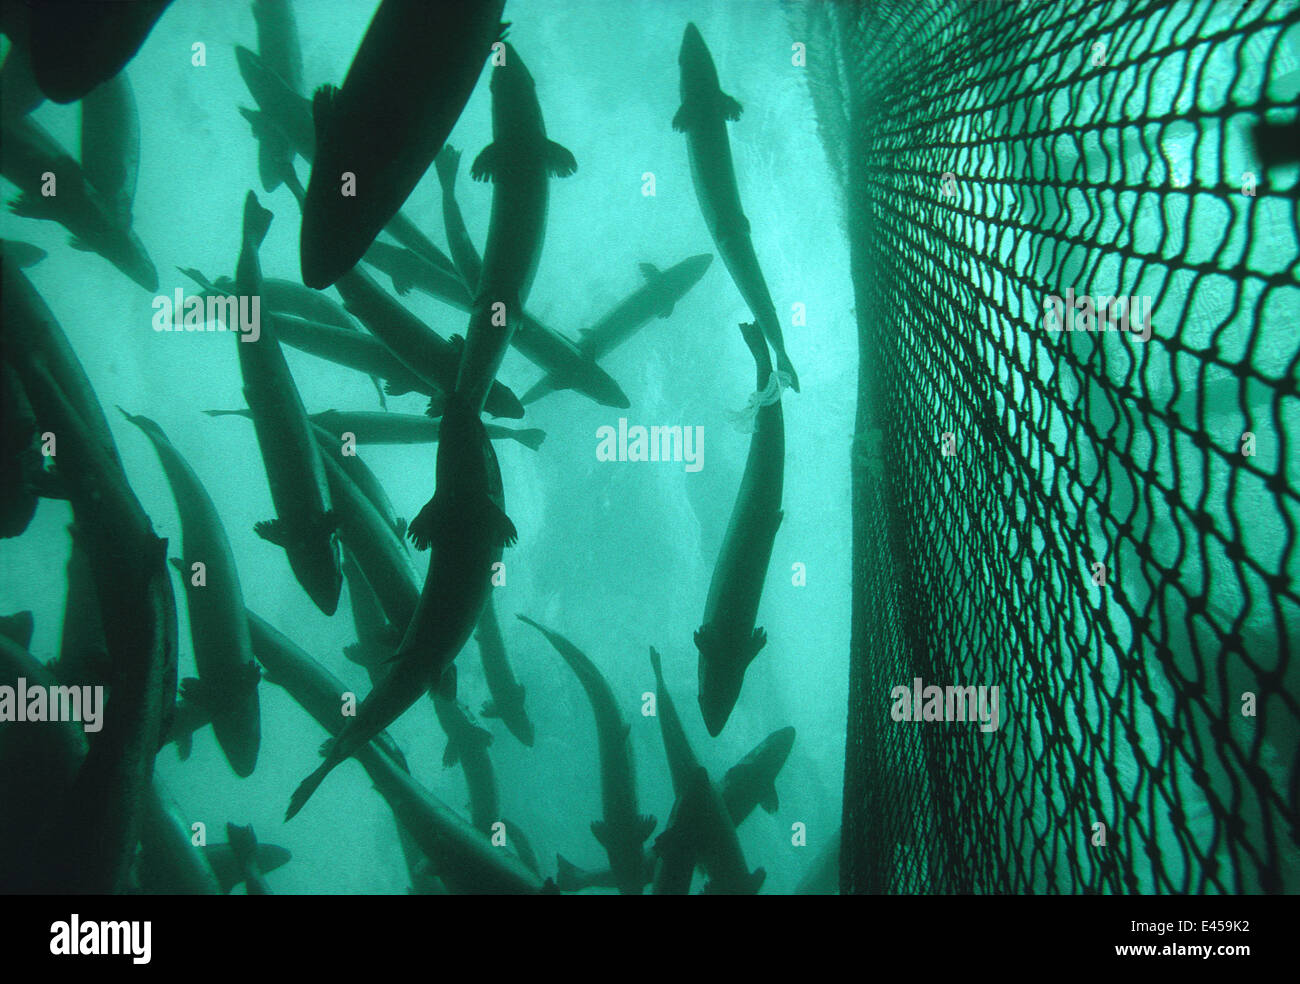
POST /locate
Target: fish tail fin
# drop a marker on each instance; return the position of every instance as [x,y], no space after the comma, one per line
[256,221]
[784,367]
[308,786]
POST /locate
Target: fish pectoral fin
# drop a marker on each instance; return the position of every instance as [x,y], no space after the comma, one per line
[489,710]
[600,830]
[776,520]
[560,162]
[80,245]
[649,271]
[395,389]
[503,529]
[450,755]
[769,800]
[192,691]
[272,531]
[423,529]
[400,528]
[682,119]
[756,643]
[485,164]
[184,746]
[666,310]
[729,107]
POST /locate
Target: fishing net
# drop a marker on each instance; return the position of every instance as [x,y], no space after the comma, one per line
[1102,527]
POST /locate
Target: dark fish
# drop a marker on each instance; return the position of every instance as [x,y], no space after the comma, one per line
[27,152]
[623,830]
[356,350]
[304,525]
[752,781]
[90,847]
[703,824]
[458,854]
[466,526]
[728,640]
[243,844]
[284,115]
[76,47]
[655,298]
[409,81]
[277,43]
[468,263]
[703,117]
[110,145]
[519,162]
[368,427]
[227,682]
[507,701]
[230,872]
[544,347]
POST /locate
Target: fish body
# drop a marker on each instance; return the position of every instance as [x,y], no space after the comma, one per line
[728,640]
[218,627]
[622,831]
[304,525]
[27,154]
[519,162]
[507,701]
[465,527]
[703,117]
[409,81]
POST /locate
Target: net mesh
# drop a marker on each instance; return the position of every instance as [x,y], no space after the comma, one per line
[1112,539]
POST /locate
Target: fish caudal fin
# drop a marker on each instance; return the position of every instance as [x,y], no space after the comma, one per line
[308,786]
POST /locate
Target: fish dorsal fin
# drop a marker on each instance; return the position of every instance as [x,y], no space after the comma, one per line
[649,271]
[560,162]
[322,109]
[683,118]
